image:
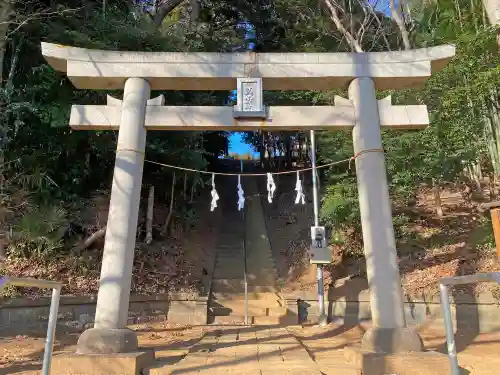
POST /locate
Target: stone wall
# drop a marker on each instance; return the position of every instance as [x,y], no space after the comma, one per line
[478,313]
[77,313]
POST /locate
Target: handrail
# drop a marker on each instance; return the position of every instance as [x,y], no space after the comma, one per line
[54,307]
[445,303]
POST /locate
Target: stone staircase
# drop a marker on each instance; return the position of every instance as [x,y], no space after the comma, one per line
[227,299]
[263,309]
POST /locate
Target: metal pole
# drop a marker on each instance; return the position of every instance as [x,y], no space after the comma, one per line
[314,181]
[321,296]
[448,325]
[244,260]
[51,330]
[319,269]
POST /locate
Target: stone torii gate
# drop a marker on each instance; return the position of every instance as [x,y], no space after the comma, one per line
[137,73]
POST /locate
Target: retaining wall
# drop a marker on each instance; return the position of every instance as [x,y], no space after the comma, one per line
[77,313]
[350,304]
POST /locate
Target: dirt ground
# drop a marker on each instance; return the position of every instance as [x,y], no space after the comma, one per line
[22,355]
[172,262]
[478,355]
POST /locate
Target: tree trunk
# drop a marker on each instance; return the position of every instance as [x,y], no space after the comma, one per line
[193,190]
[436,191]
[401,25]
[149,216]
[6,11]
[169,217]
[492,8]
[195,12]
[184,189]
[478,176]
[90,240]
[492,186]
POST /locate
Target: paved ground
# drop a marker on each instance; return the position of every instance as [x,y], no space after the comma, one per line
[256,350]
[478,354]
[236,350]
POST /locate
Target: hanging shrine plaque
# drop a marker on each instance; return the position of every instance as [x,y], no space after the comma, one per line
[249,99]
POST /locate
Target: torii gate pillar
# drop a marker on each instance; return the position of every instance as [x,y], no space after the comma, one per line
[109,333]
[386,295]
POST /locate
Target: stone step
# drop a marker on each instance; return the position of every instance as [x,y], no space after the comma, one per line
[228,242]
[230,260]
[268,280]
[252,310]
[236,320]
[229,247]
[229,256]
[240,319]
[270,320]
[263,264]
[230,250]
[339,370]
[223,274]
[229,269]
[252,296]
[261,272]
[237,285]
[271,302]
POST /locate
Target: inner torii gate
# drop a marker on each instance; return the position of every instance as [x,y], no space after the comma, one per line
[137,73]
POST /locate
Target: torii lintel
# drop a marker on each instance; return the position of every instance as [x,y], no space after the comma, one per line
[159,117]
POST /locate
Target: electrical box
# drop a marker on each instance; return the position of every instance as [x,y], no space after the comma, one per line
[320,252]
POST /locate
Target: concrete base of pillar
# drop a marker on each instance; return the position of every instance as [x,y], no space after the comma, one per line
[323,320]
[102,364]
[107,341]
[392,340]
[411,363]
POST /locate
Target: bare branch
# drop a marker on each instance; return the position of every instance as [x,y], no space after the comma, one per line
[401,25]
[35,16]
[379,23]
[338,24]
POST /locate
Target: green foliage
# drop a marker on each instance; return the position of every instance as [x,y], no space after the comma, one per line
[49,163]
[38,234]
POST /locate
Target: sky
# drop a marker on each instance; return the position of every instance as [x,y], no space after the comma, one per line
[237,145]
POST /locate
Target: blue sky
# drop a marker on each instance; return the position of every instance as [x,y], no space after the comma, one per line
[237,145]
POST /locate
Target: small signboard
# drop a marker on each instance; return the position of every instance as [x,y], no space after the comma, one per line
[320,252]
